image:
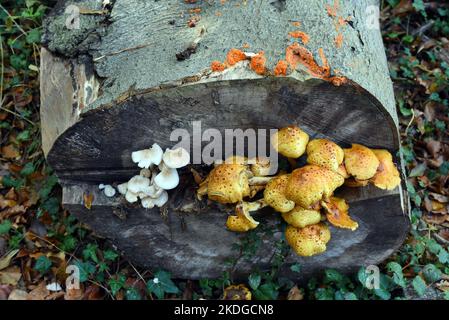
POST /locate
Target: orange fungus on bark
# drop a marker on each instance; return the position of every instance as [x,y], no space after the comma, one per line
[217,66]
[281,68]
[258,63]
[234,56]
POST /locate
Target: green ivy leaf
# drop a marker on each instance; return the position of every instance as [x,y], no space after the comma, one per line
[116,284]
[86,269]
[398,276]
[90,252]
[161,284]
[254,281]
[110,255]
[5,226]
[324,294]
[431,273]
[419,285]
[267,291]
[295,267]
[42,264]
[132,294]
[27,169]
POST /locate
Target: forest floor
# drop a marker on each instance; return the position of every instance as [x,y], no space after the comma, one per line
[39,239]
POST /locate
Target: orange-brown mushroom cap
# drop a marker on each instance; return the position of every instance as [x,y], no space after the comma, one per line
[290,141]
[300,217]
[308,241]
[360,162]
[243,221]
[274,194]
[237,292]
[325,153]
[337,213]
[387,175]
[228,183]
[310,184]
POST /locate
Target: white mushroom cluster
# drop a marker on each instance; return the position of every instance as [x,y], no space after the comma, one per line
[159,173]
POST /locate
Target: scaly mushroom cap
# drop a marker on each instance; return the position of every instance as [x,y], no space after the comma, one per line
[237,292]
[300,217]
[261,167]
[242,221]
[387,176]
[310,184]
[360,162]
[291,141]
[228,183]
[274,194]
[337,213]
[308,241]
[325,153]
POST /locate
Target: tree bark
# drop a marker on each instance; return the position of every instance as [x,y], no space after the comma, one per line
[132,74]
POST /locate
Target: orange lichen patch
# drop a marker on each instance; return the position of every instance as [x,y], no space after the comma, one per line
[195,10]
[218,13]
[281,68]
[245,46]
[387,176]
[234,56]
[338,81]
[217,66]
[300,35]
[296,23]
[339,40]
[332,10]
[191,23]
[337,214]
[296,53]
[258,63]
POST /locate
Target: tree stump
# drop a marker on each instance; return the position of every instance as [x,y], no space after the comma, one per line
[130,73]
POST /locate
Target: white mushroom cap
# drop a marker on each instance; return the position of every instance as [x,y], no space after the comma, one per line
[145,158]
[138,184]
[176,158]
[101,186]
[167,179]
[131,197]
[109,191]
[122,188]
[145,173]
[149,202]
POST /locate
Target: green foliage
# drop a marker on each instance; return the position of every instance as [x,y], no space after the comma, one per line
[162,284]
[5,226]
[43,264]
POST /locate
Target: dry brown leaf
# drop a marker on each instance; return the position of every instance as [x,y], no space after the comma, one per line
[6,259]
[295,294]
[17,294]
[88,199]
[10,275]
[74,294]
[10,152]
[39,293]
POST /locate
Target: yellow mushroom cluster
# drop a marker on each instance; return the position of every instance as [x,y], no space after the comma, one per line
[305,196]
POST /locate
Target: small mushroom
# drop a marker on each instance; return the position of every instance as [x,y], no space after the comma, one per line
[325,153]
[242,221]
[300,217]
[147,157]
[109,191]
[290,141]
[131,197]
[138,184]
[387,175]
[145,173]
[308,241]
[274,194]
[167,179]
[150,202]
[176,158]
[101,186]
[311,184]
[360,162]
[122,188]
[337,213]
[237,292]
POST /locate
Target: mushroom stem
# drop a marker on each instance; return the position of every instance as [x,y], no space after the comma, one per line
[257,181]
[292,162]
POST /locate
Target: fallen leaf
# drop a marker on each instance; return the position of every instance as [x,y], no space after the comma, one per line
[10,275]
[39,293]
[17,294]
[10,152]
[295,294]
[74,294]
[88,199]
[6,260]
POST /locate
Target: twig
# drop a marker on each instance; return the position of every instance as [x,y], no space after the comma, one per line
[13,20]
[17,115]
[1,76]
[410,122]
